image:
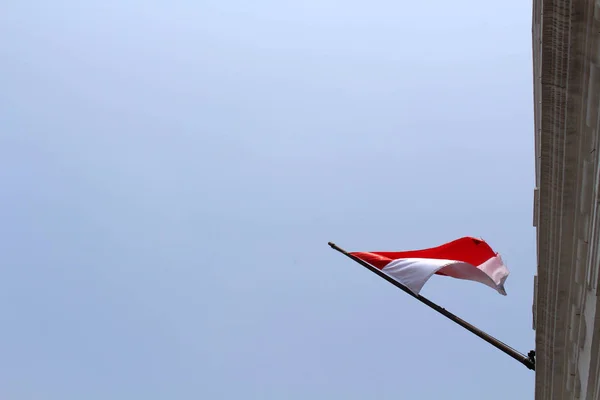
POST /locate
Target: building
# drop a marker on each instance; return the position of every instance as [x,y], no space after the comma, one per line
[566,315]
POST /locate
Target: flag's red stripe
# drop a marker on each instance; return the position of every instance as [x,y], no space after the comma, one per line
[467,249]
[374,259]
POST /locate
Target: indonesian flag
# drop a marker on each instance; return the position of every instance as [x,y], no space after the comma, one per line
[465,258]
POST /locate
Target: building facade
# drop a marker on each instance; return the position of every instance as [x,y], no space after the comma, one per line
[566,313]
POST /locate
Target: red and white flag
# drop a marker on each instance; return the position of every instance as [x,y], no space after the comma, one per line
[465,258]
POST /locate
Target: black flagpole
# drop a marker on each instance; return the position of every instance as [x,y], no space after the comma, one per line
[526,360]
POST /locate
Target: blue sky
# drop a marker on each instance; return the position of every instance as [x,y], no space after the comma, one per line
[171,173]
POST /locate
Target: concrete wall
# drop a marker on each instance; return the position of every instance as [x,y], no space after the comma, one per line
[566,65]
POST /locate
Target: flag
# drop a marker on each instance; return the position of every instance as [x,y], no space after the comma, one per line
[465,258]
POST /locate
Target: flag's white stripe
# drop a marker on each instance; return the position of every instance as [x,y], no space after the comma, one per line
[415,272]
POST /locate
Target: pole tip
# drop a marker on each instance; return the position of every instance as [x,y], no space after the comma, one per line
[331,244]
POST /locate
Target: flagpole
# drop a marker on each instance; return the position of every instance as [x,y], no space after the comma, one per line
[526,360]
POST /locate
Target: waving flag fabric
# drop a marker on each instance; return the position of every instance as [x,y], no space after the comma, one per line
[465,258]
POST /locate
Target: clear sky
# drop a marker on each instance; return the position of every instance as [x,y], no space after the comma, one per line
[171,173]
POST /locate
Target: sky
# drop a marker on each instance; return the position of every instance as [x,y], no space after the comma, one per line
[171,173]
